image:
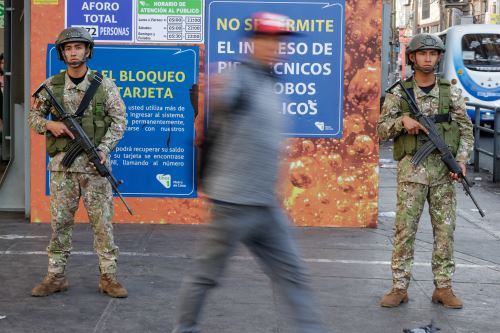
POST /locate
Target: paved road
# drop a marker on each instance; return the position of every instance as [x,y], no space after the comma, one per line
[350,271]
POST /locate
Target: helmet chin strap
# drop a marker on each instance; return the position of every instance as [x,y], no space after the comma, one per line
[426,70]
[76,64]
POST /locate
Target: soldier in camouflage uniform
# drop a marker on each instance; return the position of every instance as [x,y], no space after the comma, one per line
[104,121]
[429,180]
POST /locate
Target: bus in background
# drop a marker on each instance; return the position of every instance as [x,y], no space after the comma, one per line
[472,63]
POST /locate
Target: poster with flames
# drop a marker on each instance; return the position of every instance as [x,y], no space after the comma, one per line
[329,181]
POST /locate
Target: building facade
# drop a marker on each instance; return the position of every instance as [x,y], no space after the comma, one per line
[431,16]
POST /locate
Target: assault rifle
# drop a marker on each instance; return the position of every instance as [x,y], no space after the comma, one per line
[435,142]
[81,143]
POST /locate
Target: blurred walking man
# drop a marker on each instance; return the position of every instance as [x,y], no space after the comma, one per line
[239,176]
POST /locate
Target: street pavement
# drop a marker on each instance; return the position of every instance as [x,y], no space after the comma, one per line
[350,271]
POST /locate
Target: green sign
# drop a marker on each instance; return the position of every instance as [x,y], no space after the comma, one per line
[45,2]
[155,7]
[169,21]
[2,14]
[495,19]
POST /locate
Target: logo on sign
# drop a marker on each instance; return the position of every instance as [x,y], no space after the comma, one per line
[320,125]
[165,180]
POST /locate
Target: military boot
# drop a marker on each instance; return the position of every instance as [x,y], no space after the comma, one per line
[108,284]
[394,298]
[446,297]
[52,283]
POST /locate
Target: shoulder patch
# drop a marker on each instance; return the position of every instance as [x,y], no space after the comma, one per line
[58,79]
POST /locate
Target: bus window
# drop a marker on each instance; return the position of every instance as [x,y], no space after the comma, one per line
[481,52]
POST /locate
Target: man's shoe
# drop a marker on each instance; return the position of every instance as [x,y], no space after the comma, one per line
[446,297]
[108,284]
[394,298]
[52,283]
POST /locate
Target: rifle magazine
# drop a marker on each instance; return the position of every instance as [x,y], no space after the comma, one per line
[73,152]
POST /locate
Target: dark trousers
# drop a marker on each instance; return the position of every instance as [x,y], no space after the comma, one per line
[265,231]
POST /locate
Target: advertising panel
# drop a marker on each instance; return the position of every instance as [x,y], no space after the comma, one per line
[105,20]
[156,157]
[330,164]
[311,72]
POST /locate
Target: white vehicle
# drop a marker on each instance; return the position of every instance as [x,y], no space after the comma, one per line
[472,63]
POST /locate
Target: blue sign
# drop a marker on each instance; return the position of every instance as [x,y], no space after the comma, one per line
[156,157]
[311,71]
[105,20]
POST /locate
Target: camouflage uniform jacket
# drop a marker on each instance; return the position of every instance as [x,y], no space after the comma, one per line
[431,171]
[73,94]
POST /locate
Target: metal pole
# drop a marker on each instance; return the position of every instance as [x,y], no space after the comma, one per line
[7,107]
[27,103]
[442,16]
[477,137]
[496,147]
[388,45]
[415,17]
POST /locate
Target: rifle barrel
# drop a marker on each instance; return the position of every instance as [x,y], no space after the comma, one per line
[113,183]
[469,193]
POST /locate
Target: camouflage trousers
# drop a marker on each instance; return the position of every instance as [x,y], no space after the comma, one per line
[411,198]
[66,188]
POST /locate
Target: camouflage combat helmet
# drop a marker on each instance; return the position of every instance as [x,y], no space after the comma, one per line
[424,42]
[74,34]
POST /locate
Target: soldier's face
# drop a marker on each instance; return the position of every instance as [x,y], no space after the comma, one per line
[75,53]
[426,60]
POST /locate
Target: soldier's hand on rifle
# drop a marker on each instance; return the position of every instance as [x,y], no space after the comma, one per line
[58,129]
[412,126]
[454,176]
[102,156]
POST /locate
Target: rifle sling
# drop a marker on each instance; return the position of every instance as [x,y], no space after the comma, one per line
[441,118]
[89,94]
[75,149]
[437,118]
